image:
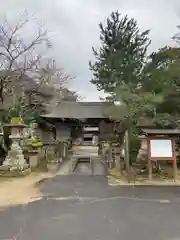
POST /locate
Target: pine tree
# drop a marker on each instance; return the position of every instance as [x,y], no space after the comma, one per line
[122,54]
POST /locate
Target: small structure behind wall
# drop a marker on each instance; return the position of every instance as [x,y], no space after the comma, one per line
[63,131]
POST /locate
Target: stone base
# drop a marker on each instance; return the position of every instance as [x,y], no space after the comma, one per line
[52,166]
[7,171]
[33,161]
[33,158]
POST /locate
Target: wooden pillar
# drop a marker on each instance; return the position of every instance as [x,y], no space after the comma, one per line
[174,159]
[127,160]
[149,160]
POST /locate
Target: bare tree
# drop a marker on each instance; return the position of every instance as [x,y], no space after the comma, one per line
[47,89]
[176,36]
[51,74]
[17,54]
[56,79]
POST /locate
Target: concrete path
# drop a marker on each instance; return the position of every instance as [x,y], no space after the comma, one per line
[84,207]
[94,166]
[65,168]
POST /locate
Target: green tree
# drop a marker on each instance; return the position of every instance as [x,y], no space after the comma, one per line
[162,70]
[146,87]
[68,95]
[118,70]
[162,77]
[27,111]
[122,54]
[157,96]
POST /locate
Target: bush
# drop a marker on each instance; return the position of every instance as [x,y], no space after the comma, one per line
[35,143]
[15,121]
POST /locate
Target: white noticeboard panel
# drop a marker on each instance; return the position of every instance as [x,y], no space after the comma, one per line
[161,148]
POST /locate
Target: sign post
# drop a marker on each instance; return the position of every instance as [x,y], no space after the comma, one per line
[160,149]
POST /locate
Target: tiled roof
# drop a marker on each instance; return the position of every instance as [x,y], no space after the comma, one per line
[78,110]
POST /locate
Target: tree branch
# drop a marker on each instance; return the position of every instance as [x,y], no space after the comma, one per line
[16,55]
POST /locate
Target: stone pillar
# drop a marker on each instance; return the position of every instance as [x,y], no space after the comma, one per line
[142,155]
[33,127]
[33,158]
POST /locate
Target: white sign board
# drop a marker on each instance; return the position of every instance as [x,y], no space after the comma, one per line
[91,129]
[161,148]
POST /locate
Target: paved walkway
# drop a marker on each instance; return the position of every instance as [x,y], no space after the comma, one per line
[93,166]
[65,168]
[84,207]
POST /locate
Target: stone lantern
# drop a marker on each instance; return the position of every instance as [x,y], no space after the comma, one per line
[15,159]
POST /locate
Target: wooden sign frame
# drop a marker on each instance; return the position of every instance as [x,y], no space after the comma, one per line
[150,159]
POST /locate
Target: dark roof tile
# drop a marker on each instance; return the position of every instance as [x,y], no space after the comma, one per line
[78,110]
[161,131]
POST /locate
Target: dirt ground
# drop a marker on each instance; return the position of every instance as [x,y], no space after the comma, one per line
[116,178]
[14,191]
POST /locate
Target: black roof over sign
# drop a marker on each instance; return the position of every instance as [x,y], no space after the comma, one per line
[161,131]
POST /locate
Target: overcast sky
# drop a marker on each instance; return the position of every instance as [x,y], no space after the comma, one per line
[74,28]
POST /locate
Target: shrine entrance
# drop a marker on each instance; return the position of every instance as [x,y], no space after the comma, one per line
[80,124]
